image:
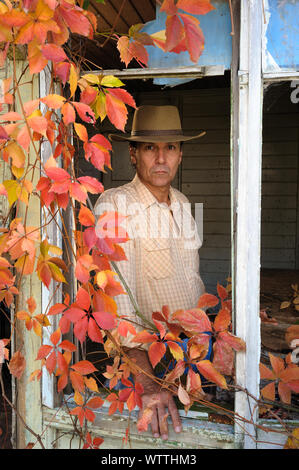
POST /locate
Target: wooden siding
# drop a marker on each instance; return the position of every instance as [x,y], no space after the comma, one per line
[280,179]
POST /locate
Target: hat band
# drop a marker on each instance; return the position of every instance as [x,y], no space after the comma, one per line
[156,132]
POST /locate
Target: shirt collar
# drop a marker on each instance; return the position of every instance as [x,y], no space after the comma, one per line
[145,196]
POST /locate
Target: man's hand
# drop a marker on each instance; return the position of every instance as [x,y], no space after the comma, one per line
[159,401]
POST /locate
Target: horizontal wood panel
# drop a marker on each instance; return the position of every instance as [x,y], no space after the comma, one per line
[196,162]
[278,241]
[215,253]
[278,228]
[278,265]
[277,188]
[204,189]
[278,255]
[281,120]
[205,176]
[279,215]
[214,266]
[280,201]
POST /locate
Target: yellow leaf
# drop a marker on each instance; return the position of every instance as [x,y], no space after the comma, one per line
[91,384]
[293,440]
[92,78]
[73,80]
[11,188]
[101,106]
[111,81]
[17,155]
[296,300]
[17,172]
[78,398]
[285,304]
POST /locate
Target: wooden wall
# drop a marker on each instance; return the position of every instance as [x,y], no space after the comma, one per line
[204,176]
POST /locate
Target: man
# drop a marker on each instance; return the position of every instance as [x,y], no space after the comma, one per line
[162,253]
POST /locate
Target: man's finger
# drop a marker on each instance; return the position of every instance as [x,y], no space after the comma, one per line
[155,424]
[174,413]
[162,416]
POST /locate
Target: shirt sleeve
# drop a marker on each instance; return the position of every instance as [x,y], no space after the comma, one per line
[127,269]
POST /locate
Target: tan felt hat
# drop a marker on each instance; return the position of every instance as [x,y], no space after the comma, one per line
[156,124]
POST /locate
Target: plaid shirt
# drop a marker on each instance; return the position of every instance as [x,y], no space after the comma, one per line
[162,266]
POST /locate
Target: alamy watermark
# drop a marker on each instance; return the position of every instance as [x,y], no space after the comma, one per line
[295,92]
[157,221]
[295,353]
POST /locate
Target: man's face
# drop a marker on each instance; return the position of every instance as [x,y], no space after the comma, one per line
[156,163]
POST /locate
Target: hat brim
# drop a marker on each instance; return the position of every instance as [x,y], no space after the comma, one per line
[154,138]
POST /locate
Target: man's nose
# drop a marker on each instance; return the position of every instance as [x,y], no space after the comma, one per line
[160,155]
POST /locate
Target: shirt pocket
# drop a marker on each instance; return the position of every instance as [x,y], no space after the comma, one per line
[157,258]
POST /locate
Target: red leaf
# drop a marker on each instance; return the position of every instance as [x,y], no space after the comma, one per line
[84,367]
[85,112]
[67,345]
[193,36]
[54,52]
[74,314]
[174,32]
[223,357]
[83,299]
[236,343]
[95,402]
[124,96]
[43,351]
[57,308]
[91,184]
[156,352]
[105,320]
[94,331]
[195,7]
[80,329]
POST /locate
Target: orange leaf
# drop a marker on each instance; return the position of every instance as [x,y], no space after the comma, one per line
[17,364]
[155,352]
[169,7]
[116,111]
[207,300]
[277,364]
[266,373]
[284,393]
[193,320]
[183,396]
[222,321]
[222,292]
[86,217]
[53,101]
[144,337]
[207,369]
[81,131]
[268,391]
[95,402]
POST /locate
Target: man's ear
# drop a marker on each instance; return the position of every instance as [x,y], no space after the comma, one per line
[132,151]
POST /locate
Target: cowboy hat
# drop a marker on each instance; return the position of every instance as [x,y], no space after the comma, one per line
[156,124]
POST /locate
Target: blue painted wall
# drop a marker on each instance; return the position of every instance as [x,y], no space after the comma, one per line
[216,27]
[281,40]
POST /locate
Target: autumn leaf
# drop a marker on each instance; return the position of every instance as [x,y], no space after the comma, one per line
[195,7]
[207,369]
[17,364]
